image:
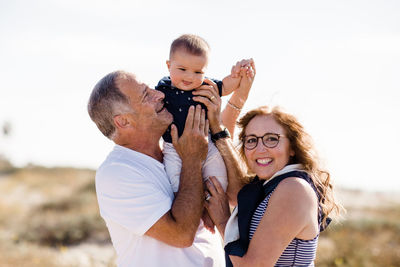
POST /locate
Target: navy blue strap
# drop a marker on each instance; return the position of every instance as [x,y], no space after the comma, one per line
[248,199]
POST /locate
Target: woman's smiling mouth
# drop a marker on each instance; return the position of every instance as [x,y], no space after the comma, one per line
[264,161]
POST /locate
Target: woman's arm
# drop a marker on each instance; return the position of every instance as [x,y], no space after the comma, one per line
[292,212]
[236,169]
[236,102]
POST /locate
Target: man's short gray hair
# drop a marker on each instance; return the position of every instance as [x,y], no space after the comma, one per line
[106,101]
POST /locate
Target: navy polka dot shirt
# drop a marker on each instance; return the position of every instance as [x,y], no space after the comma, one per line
[177,102]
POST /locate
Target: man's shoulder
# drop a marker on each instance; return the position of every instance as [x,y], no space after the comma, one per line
[119,163]
[124,177]
[123,163]
[113,173]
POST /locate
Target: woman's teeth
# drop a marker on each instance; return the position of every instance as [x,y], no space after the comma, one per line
[263,161]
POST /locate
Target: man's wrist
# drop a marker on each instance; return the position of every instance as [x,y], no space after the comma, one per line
[191,162]
[192,169]
[220,135]
[217,129]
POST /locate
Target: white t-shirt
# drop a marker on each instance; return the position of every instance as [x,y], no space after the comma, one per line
[134,192]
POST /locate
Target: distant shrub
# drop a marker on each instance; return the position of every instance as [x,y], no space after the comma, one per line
[5,165]
[370,242]
[70,221]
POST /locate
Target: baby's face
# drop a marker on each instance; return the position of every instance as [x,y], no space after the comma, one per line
[187,70]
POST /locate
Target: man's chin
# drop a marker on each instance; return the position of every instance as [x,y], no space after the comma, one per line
[161,110]
[167,117]
[171,118]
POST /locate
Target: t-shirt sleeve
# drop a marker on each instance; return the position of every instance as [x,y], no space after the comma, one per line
[130,199]
[165,82]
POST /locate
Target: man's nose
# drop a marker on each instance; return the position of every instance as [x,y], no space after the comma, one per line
[158,95]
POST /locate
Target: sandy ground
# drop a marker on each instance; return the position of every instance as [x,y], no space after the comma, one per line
[21,197]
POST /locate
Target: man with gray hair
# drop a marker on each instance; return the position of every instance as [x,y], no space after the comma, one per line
[147,224]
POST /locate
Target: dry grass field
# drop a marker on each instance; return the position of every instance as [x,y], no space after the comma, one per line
[49,217]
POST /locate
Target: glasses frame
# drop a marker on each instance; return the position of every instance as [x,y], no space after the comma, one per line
[262,140]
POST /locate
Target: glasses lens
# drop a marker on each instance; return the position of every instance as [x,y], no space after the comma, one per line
[270,140]
[250,142]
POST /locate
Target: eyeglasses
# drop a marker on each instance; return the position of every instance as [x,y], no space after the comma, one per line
[269,140]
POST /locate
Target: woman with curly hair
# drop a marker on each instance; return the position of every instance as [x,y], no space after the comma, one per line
[282,194]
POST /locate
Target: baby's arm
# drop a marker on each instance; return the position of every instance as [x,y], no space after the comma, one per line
[231,82]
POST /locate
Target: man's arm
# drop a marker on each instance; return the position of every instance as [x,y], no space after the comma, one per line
[236,169]
[179,225]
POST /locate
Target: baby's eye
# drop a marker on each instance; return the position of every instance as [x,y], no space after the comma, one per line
[199,72]
[182,69]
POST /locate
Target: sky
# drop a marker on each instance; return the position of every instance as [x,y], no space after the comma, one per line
[334,64]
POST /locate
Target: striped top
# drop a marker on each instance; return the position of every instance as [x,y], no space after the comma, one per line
[298,253]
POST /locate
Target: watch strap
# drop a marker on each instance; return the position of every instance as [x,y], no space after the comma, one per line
[220,135]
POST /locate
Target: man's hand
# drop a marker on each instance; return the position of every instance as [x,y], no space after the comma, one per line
[208,95]
[217,204]
[193,144]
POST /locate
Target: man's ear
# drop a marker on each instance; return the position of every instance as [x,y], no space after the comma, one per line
[121,121]
[168,64]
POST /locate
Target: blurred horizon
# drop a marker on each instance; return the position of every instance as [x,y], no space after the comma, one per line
[334,65]
[55,221]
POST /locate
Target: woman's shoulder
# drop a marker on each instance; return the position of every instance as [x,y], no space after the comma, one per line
[296,189]
[295,200]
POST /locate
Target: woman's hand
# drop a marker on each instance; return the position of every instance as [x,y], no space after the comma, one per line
[217,204]
[247,71]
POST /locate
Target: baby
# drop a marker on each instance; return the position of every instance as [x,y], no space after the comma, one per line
[187,64]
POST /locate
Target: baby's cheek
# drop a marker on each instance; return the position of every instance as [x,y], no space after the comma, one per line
[199,83]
